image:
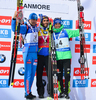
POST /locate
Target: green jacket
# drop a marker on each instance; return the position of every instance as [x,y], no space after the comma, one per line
[69,34]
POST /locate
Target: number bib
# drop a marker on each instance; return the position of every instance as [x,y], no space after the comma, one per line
[62,43]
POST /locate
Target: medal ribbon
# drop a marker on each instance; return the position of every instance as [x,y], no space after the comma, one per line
[43,36]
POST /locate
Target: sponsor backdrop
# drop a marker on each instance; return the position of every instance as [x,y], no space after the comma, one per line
[67,10]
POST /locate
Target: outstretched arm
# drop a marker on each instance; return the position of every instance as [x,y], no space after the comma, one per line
[72,33]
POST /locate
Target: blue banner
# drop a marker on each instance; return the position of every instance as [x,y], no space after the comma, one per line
[4,83]
[68,24]
[5,33]
[80,83]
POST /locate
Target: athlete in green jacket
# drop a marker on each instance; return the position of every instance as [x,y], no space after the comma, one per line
[61,37]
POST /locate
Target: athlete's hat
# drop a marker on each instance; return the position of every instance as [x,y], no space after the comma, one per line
[33,16]
[57,20]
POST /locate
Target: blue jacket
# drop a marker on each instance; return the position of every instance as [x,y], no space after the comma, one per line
[31,39]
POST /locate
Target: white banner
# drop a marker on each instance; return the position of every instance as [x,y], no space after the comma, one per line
[46,7]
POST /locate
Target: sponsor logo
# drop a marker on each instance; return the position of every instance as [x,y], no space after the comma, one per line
[94,37]
[5,46]
[37,6]
[94,48]
[4,71]
[19,59]
[35,60]
[77,48]
[94,60]
[4,83]
[78,73]
[35,63]
[44,82]
[68,24]
[87,37]
[80,83]
[18,83]
[2,58]
[5,33]
[5,20]
[21,71]
[87,25]
[29,62]
[45,32]
[93,82]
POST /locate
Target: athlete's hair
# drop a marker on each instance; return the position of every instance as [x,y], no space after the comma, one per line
[42,18]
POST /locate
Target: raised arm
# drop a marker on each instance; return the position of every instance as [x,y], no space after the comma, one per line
[72,33]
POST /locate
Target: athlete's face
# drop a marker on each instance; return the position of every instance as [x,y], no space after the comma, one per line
[57,25]
[45,22]
[33,22]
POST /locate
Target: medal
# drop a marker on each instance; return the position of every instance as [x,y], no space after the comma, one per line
[35,38]
[45,42]
[44,38]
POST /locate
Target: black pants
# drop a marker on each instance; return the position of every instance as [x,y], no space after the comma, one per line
[42,61]
[66,65]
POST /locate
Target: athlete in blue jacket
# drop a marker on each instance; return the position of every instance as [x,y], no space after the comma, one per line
[43,54]
[29,51]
